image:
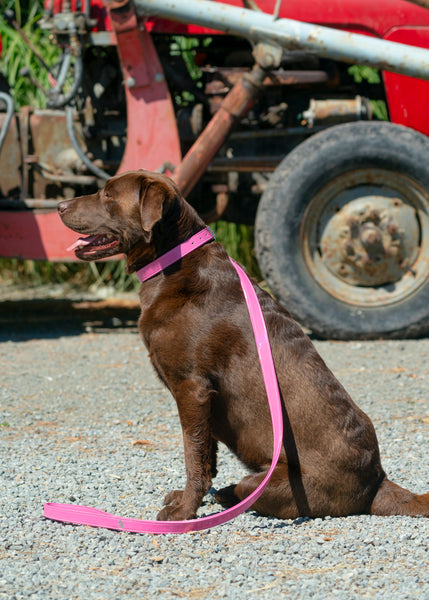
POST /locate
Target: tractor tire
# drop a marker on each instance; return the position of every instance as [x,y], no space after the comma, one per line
[342,232]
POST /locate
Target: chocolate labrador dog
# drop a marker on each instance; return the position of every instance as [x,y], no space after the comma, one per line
[195,324]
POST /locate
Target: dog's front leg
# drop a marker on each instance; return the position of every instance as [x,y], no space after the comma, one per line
[193,402]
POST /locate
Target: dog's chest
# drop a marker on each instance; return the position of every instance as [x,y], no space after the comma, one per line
[166,327]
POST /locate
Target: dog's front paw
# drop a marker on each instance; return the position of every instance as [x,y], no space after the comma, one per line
[174,513]
[173,498]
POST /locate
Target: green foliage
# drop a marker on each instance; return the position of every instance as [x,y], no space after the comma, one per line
[238,241]
[186,47]
[362,73]
[16,54]
[23,9]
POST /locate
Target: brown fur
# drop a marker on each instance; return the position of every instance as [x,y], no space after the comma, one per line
[195,324]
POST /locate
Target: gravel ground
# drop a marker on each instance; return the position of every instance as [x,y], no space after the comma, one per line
[83,419]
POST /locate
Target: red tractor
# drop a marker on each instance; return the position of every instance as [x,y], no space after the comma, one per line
[272,129]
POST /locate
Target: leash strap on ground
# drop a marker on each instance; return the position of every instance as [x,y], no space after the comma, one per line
[85,515]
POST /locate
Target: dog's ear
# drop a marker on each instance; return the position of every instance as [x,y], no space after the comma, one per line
[153,194]
[157,194]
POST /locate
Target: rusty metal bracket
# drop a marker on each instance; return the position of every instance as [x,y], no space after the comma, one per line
[25,133]
[235,104]
[125,24]
[7,100]
[268,55]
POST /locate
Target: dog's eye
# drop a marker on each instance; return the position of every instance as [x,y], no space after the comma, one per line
[108,199]
[110,205]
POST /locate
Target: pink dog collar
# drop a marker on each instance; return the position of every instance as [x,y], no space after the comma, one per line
[172,256]
[85,515]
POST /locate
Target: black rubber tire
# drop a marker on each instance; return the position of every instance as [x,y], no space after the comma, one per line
[284,206]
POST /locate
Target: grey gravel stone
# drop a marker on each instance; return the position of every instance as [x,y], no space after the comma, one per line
[83,419]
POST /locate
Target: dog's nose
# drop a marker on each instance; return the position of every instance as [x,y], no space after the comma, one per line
[62,207]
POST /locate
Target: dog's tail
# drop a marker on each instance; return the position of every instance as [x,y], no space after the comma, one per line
[392,499]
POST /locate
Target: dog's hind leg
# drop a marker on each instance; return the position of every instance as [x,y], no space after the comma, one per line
[284,496]
[391,499]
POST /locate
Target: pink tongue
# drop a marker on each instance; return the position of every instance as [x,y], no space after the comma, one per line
[81,242]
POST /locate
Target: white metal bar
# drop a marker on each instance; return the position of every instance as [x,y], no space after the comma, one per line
[262,27]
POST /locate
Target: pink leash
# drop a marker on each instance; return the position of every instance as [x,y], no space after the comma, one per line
[85,515]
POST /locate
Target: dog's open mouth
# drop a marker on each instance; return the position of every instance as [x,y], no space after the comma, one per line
[95,246]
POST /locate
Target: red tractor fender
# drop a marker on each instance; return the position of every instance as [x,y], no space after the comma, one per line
[406,96]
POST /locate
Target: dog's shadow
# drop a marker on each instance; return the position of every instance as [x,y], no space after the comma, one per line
[48,318]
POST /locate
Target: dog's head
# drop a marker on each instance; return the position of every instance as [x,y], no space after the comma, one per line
[119,216]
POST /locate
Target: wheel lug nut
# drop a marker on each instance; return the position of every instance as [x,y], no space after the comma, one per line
[349,249]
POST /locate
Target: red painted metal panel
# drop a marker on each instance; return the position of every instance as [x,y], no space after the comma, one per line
[152,135]
[41,236]
[407,97]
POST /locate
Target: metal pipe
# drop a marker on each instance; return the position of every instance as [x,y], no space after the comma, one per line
[276,77]
[277,9]
[64,70]
[248,164]
[288,33]
[83,157]
[27,203]
[55,99]
[71,178]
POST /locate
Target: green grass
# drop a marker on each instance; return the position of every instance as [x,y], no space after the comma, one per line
[238,241]
[75,275]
